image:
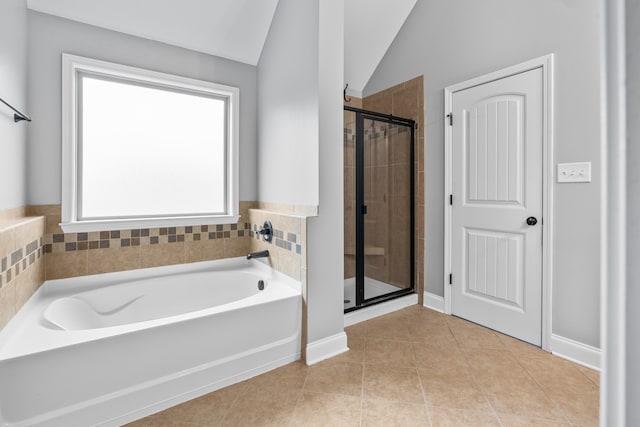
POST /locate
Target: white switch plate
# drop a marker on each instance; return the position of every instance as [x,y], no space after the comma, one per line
[574,172]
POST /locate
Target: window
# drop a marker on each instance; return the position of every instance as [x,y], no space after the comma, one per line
[145,149]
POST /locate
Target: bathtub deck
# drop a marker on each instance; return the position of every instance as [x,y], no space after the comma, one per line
[413,367]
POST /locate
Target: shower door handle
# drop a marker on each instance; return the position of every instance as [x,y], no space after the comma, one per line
[364,209]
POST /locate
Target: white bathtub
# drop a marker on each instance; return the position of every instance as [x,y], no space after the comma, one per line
[111,348]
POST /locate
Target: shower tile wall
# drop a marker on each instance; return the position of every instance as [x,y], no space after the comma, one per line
[377,196]
[350,188]
[400,207]
[404,100]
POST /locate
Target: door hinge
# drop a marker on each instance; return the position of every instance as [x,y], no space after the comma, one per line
[451,199]
[450,117]
[450,279]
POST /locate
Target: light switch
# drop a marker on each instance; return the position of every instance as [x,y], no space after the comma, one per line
[574,172]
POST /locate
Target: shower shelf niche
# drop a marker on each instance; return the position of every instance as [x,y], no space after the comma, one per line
[368,250]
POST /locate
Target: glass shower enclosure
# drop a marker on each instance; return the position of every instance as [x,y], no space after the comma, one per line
[379,207]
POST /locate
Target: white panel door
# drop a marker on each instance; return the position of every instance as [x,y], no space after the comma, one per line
[496,224]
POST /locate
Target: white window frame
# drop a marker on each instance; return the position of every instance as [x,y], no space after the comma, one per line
[72,67]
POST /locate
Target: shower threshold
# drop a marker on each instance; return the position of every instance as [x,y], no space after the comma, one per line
[373,289]
[380,309]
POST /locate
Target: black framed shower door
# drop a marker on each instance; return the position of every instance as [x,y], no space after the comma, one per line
[384,207]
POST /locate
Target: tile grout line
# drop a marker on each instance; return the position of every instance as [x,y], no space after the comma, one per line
[364,365]
[533,377]
[484,394]
[508,351]
[585,375]
[424,395]
[228,411]
[475,379]
[304,383]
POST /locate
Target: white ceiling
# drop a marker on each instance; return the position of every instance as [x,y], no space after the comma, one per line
[233,29]
[237,29]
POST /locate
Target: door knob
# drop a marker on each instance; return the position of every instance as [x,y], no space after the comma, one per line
[532,220]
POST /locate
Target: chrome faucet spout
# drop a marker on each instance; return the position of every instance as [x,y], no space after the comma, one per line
[260,254]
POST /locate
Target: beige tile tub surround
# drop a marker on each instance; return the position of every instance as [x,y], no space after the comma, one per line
[8,215]
[21,260]
[414,367]
[34,248]
[287,250]
[286,209]
[78,254]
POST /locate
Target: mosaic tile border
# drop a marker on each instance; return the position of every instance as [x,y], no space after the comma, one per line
[291,243]
[18,261]
[70,242]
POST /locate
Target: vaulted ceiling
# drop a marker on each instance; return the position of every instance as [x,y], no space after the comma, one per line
[233,29]
[370,26]
[236,29]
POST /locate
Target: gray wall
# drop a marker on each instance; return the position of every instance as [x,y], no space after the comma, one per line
[326,231]
[633,213]
[288,106]
[300,76]
[452,41]
[51,36]
[13,89]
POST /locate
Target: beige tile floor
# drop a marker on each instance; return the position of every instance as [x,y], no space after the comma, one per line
[414,367]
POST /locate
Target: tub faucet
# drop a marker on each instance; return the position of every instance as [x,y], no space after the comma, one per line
[266,231]
[260,254]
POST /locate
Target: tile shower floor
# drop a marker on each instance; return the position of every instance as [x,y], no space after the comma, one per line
[414,367]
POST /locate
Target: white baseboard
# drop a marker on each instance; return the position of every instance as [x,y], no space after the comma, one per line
[433,301]
[575,351]
[325,348]
[381,309]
